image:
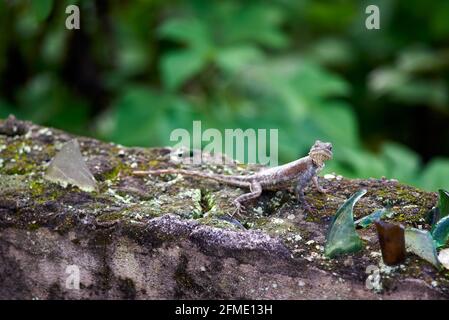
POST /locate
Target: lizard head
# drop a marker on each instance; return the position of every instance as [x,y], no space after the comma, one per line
[320,152]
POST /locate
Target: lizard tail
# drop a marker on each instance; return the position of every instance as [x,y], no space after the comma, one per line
[238,181]
[156,172]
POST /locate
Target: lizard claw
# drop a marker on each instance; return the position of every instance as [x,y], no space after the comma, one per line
[322,190]
[238,210]
[306,207]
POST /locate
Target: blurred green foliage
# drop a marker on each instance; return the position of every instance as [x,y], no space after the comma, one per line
[139,69]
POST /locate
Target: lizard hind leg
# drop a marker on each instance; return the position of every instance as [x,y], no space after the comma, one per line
[256,191]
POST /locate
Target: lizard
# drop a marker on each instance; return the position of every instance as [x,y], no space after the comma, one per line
[301,171]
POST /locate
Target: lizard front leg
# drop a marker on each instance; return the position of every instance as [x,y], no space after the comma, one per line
[299,191]
[317,186]
[256,191]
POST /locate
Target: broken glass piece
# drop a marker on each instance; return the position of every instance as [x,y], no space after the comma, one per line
[342,237]
[420,242]
[69,167]
[392,242]
[443,203]
[441,232]
[369,219]
[443,257]
[433,216]
[440,211]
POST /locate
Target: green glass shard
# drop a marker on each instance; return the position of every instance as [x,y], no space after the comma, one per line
[443,203]
[369,219]
[342,237]
[440,211]
[420,242]
[440,233]
[69,167]
[433,216]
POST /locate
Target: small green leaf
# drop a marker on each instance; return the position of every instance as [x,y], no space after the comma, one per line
[435,175]
[138,113]
[369,219]
[441,232]
[402,163]
[342,237]
[189,31]
[420,60]
[235,59]
[420,242]
[363,164]
[177,67]
[337,120]
[41,8]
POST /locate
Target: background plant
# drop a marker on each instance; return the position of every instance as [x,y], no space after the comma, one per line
[136,70]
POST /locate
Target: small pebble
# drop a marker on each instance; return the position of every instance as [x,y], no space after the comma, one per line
[348,262]
[277,221]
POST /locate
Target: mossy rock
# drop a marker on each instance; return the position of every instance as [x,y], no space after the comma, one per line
[165,237]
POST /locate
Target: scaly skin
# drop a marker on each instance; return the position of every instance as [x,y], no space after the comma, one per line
[301,171]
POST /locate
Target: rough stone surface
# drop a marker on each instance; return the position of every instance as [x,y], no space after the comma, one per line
[168,237]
